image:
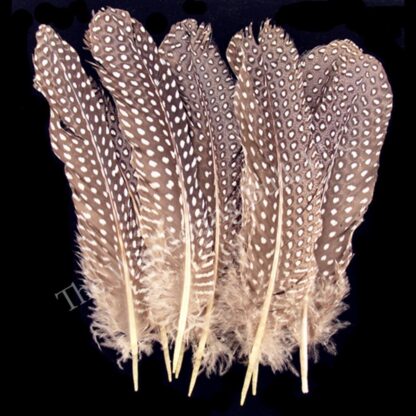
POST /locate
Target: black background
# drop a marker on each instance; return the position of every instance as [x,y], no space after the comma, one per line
[55,364]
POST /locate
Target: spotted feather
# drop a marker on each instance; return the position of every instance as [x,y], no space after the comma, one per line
[351,116]
[108,234]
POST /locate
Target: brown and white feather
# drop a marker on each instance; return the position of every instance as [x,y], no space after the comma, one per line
[109,239]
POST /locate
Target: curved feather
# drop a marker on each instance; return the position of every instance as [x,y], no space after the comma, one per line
[360,101]
[109,239]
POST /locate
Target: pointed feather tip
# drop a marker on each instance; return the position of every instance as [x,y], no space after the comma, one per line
[53,56]
[203,35]
[46,38]
[45,56]
[179,34]
[268,26]
[43,33]
[187,25]
[272,29]
[350,46]
[235,41]
[188,30]
[234,53]
[109,20]
[343,49]
[271,33]
[50,45]
[95,36]
[265,27]
[243,398]
[110,13]
[241,40]
[105,17]
[192,383]
[248,32]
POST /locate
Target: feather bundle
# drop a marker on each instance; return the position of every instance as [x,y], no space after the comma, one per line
[213,213]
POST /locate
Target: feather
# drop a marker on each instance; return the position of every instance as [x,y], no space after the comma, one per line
[206,88]
[351,116]
[173,209]
[281,195]
[108,233]
[124,152]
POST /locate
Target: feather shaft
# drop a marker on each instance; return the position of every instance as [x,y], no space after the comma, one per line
[180,361]
[254,380]
[255,352]
[304,347]
[165,348]
[201,346]
[186,293]
[208,314]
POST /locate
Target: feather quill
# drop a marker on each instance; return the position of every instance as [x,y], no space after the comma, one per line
[108,232]
[173,209]
[206,88]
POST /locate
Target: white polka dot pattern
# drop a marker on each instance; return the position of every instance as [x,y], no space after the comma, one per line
[273,121]
[122,146]
[235,52]
[206,88]
[173,208]
[351,115]
[179,175]
[108,233]
[317,124]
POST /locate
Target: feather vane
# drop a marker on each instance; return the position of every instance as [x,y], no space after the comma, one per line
[109,237]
